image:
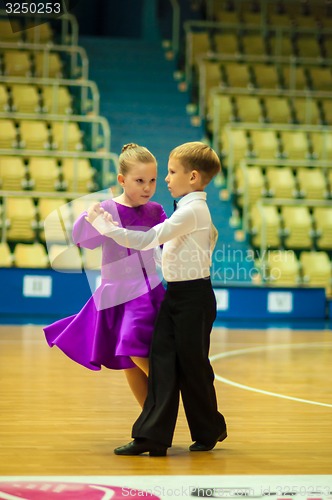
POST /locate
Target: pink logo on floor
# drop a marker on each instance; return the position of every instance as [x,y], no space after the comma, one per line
[43,490]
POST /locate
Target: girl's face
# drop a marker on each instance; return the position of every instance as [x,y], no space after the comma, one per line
[139,184]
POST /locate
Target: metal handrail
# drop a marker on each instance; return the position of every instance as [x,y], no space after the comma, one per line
[175,27]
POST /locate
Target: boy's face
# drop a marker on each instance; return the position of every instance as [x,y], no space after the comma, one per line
[179,182]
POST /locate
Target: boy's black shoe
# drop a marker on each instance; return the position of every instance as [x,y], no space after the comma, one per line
[139,446]
[207,447]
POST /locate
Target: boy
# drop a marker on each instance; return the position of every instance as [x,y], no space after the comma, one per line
[179,359]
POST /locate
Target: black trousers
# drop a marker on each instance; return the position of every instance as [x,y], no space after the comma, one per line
[179,363]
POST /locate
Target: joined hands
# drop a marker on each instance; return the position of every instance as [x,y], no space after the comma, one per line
[95,211]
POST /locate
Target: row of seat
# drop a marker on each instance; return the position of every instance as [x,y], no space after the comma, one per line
[271,144]
[40,134]
[59,257]
[298,14]
[23,219]
[311,268]
[30,98]
[16,62]
[282,182]
[19,31]
[46,174]
[255,75]
[228,42]
[292,227]
[268,109]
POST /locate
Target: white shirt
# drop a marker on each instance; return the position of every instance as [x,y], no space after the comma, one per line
[188,237]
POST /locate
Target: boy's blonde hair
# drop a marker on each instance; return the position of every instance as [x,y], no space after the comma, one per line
[198,156]
[133,153]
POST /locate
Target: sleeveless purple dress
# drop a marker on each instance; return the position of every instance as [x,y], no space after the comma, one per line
[118,320]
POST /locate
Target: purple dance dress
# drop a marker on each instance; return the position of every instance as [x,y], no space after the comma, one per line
[118,320]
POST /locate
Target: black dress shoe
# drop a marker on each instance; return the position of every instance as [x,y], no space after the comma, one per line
[139,446]
[207,447]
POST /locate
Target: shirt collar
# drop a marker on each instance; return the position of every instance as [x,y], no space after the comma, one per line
[195,195]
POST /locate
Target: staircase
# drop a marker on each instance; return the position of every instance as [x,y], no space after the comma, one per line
[141,101]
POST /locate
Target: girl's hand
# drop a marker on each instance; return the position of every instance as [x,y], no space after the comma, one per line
[93,212]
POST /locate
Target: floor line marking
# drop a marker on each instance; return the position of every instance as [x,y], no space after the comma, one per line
[247,350]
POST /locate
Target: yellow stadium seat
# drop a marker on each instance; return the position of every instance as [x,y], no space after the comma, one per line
[312,183]
[249,109]
[25,98]
[199,44]
[282,268]
[235,145]
[42,33]
[327,110]
[252,185]
[307,46]
[34,134]
[44,173]
[266,76]
[294,77]
[298,227]
[282,20]
[63,257]
[321,78]
[48,65]
[236,75]
[6,257]
[12,173]
[253,44]
[78,174]
[10,31]
[221,110]
[265,226]
[278,109]
[316,269]
[265,144]
[281,46]
[17,63]
[281,182]
[56,100]
[321,145]
[21,217]
[8,134]
[323,222]
[226,43]
[295,144]
[306,111]
[30,256]
[55,221]
[4,98]
[66,136]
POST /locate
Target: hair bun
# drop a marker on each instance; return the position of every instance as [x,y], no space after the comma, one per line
[130,145]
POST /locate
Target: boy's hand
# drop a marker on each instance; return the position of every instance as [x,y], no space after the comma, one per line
[93,212]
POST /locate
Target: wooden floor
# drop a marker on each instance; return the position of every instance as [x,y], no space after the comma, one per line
[273,386]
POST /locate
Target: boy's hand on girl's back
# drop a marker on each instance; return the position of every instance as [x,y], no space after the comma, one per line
[95,210]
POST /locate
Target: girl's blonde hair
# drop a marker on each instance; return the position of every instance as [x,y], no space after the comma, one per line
[133,153]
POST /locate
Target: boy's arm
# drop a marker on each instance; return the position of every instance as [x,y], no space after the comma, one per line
[178,224]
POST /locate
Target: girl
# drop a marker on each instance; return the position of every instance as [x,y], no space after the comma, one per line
[115,327]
